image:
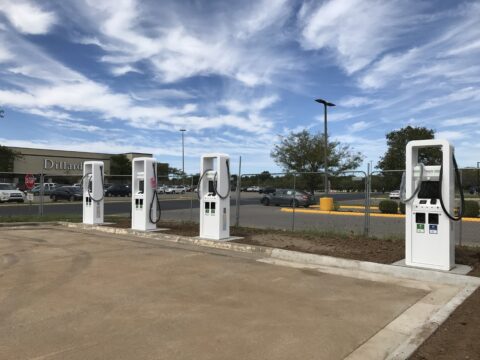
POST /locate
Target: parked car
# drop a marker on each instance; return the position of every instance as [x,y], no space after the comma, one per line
[47,188]
[161,189]
[474,190]
[119,190]
[8,192]
[286,197]
[176,189]
[253,189]
[395,194]
[267,190]
[70,193]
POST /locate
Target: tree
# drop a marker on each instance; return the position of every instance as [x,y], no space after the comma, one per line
[304,152]
[7,158]
[120,165]
[394,158]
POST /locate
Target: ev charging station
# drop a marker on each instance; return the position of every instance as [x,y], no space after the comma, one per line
[214,195]
[428,192]
[93,192]
[145,201]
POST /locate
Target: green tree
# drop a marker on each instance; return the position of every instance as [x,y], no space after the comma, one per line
[394,158]
[7,158]
[120,165]
[304,152]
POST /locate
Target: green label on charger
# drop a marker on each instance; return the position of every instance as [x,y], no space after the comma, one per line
[420,228]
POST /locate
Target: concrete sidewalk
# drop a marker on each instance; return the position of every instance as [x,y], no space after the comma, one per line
[83,294]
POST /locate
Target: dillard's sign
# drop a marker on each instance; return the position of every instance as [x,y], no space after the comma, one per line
[49,164]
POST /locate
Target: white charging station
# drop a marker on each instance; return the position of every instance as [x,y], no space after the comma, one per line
[145,203]
[93,192]
[214,195]
[429,207]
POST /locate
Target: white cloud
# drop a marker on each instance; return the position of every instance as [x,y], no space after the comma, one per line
[391,66]
[451,135]
[357,31]
[178,44]
[27,17]
[460,121]
[470,94]
[359,126]
[357,101]
[246,105]
[122,70]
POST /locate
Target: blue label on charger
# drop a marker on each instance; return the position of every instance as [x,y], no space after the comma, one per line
[433,229]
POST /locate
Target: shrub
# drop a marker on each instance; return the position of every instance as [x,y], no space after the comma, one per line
[471,208]
[388,207]
[401,207]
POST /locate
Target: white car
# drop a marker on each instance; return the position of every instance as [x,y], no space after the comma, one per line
[395,194]
[8,192]
[161,189]
[176,189]
[253,189]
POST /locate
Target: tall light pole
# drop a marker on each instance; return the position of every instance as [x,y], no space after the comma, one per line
[325,159]
[183,151]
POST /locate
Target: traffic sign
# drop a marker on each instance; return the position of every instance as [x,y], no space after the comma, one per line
[29,181]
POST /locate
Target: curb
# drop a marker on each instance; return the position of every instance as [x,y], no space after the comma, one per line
[358,213]
[298,257]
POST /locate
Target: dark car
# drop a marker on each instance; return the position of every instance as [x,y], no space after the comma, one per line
[267,190]
[70,193]
[286,197]
[118,190]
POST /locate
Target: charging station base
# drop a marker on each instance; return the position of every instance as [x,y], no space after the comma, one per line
[230,238]
[458,269]
[152,230]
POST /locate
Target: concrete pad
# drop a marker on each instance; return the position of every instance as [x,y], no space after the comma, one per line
[230,238]
[458,269]
[81,294]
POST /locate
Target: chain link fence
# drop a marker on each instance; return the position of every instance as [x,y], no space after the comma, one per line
[288,201]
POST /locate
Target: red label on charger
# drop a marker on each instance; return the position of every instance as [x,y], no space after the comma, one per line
[153,183]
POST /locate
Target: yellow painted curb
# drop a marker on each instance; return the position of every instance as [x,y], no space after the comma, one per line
[349,207]
[351,213]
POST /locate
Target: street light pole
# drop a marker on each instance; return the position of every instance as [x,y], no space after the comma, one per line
[325,136]
[183,151]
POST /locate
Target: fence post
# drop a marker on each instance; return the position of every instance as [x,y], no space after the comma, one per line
[366,230]
[239,183]
[293,201]
[461,220]
[40,209]
[192,192]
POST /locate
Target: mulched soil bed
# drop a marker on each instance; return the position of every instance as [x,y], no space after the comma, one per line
[457,338]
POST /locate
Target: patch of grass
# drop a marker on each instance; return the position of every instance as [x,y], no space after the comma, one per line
[38,218]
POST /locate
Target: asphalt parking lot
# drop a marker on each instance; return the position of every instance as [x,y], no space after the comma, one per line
[88,295]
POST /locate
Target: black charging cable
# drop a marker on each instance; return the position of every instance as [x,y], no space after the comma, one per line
[90,182]
[200,182]
[155,195]
[462,197]
[223,197]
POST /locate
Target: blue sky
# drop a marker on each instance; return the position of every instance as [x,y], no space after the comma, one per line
[124,75]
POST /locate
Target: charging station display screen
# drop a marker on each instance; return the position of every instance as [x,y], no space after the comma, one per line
[429,190]
[141,186]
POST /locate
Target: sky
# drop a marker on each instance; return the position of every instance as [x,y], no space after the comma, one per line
[125,76]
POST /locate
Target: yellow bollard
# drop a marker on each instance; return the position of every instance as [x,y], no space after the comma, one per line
[326,204]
